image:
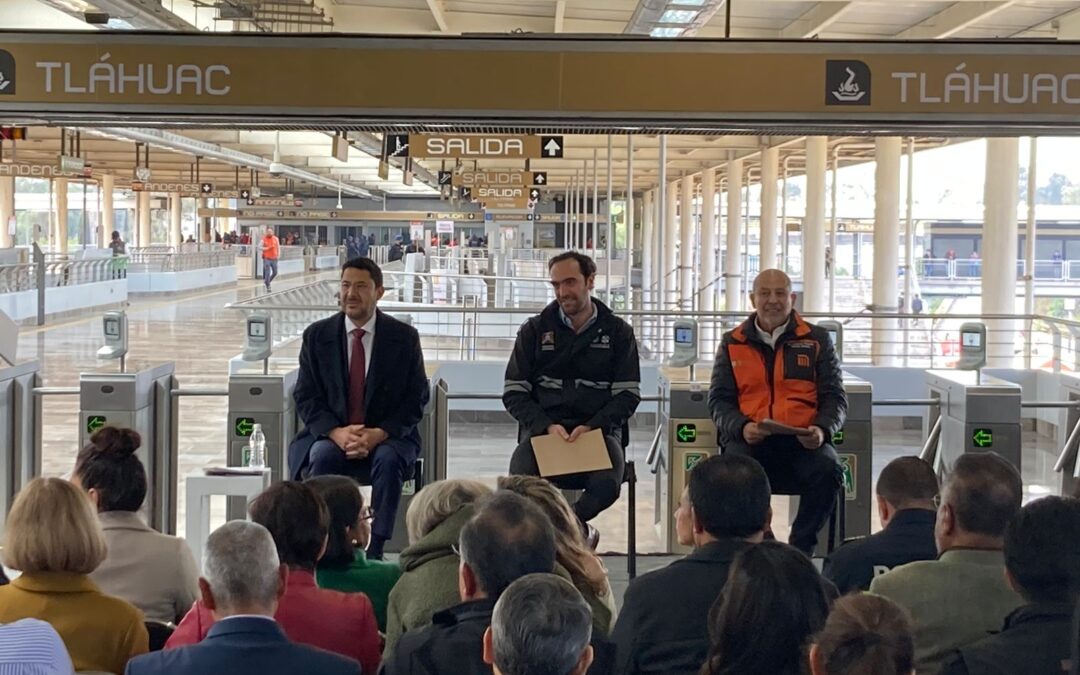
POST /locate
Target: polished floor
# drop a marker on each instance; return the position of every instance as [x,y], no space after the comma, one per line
[201,335]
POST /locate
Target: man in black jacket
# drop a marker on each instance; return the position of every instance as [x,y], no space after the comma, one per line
[664,623]
[905,499]
[775,366]
[1042,563]
[508,538]
[361,393]
[574,369]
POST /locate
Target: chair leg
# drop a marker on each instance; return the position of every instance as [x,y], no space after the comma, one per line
[631,536]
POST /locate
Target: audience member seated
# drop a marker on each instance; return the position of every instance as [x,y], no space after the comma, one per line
[345,567]
[962,596]
[773,603]
[343,623]
[541,624]
[583,566]
[429,565]
[32,647]
[508,538]
[905,499]
[864,635]
[153,571]
[54,539]
[1042,562]
[663,626]
[243,584]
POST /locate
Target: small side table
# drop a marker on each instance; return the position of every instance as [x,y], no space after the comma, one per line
[200,488]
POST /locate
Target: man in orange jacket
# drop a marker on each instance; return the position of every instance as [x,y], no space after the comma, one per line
[271,251]
[776,366]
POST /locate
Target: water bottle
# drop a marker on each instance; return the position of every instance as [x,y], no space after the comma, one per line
[256,455]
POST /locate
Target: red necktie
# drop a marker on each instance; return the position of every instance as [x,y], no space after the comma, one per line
[357,378]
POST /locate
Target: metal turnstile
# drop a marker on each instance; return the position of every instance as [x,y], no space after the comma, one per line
[978,413]
[140,400]
[255,398]
[687,437]
[1068,466]
[20,456]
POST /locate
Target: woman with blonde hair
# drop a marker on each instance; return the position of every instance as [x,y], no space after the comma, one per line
[584,567]
[429,565]
[53,537]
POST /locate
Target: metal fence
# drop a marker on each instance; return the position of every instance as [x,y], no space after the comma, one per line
[972,268]
[155,262]
[23,277]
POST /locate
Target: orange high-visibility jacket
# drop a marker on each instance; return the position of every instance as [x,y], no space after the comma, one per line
[797,383]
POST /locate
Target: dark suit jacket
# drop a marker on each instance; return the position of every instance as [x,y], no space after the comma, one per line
[908,537]
[243,646]
[395,393]
[1036,641]
[664,623]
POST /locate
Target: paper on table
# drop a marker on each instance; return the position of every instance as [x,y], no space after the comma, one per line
[774,427]
[556,457]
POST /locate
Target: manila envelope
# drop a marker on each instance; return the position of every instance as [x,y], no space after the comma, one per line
[556,457]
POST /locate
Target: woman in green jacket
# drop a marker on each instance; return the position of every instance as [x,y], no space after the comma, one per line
[429,579]
[344,567]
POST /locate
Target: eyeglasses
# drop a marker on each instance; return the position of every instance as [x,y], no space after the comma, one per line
[367,514]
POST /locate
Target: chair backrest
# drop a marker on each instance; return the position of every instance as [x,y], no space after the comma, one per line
[159,634]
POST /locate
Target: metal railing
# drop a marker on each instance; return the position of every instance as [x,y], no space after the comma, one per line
[945,269]
[155,262]
[58,273]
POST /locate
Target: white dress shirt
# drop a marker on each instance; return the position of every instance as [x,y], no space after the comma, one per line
[368,341]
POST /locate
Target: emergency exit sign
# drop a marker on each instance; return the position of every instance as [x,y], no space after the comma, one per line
[983,438]
[686,433]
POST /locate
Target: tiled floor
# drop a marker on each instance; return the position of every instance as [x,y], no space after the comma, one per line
[200,335]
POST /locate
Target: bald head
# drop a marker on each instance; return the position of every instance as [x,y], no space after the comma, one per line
[772,298]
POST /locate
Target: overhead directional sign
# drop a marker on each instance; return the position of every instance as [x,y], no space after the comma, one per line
[512,178]
[446,178]
[551,146]
[534,194]
[476,146]
[206,188]
[983,438]
[397,145]
[466,193]
[540,178]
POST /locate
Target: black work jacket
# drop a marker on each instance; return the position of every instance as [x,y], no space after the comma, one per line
[558,377]
[908,537]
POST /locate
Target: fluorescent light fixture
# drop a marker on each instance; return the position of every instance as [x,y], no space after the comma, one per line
[678,16]
[687,3]
[666,32]
[119,24]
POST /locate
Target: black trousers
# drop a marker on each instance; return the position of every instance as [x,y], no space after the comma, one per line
[814,475]
[601,487]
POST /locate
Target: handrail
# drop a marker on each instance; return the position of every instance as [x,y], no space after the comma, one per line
[907,401]
[1068,451]
[929,450]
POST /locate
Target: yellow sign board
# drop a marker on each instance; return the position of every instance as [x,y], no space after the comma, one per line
[844,85]
[477,146]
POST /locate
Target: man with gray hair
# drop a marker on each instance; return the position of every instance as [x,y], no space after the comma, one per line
[541,626]
[242,584]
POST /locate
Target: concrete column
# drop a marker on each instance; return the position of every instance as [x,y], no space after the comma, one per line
[205,235]
[770,159]
[885,338]
[687,242]
[142,217]
[813,231]
[1000,247]
[671,250]
[60,227]
[7,211]
[733,294]
[176,219]
[708,258]
[107,220]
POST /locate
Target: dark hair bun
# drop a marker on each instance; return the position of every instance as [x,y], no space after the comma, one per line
[116,441]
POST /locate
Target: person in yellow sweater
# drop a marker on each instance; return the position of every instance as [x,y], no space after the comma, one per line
[54,539]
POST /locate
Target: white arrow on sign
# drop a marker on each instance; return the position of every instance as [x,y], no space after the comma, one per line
[552,148]
[541,178]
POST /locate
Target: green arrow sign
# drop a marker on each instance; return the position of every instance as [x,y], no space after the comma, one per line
[838,438]
[692,459]
[94,422]
[244,426]
[983,438]
[847,464]
[686,433]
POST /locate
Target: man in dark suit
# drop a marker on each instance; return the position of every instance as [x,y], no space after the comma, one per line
[361,392]
[905,498]
[664,623]
[242,584]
